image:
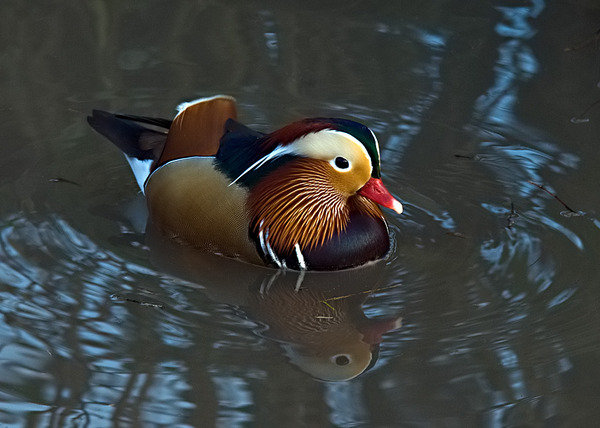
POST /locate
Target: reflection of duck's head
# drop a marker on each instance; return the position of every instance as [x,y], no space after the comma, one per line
[339,364]
[342,359]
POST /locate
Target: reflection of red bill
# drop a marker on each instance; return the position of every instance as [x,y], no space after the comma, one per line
[373,332]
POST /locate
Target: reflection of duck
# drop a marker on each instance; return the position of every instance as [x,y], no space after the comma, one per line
[317,317]
[325,334]
[303,197]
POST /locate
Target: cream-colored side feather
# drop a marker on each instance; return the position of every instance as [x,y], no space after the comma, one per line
[191,201]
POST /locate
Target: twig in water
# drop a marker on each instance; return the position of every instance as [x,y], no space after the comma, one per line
[331,307]
[513,214]
[474,157]
[356,294]
[62,180]
[594,38]
[553,195]
[586,42]
[138,302]
[581,118]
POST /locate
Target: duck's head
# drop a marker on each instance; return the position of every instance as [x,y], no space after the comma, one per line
[346,153]
[308,182]
[349,149]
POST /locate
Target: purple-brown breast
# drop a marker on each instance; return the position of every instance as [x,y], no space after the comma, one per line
[298,205]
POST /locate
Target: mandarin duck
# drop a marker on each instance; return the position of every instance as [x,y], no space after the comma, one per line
[304,197]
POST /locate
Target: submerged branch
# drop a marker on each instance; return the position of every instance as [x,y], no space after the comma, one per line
[513,214]
[325,301]
[586,42]
[581,118]
[63,180]
[553,195]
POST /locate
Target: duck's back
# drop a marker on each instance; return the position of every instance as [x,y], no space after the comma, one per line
[198,128]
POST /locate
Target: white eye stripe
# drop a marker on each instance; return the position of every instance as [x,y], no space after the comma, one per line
[309,146]
[278,152]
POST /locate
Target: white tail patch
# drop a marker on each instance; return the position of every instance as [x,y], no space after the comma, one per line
[141,170]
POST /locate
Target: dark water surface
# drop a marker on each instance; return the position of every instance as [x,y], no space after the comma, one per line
[486,314]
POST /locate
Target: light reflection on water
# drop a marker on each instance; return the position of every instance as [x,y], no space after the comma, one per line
[117,340]
[43,337]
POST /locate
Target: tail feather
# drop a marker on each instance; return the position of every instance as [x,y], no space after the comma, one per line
[163,125]
[151,142]
[138,137]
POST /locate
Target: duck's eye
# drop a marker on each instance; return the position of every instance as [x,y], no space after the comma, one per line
[342,163]
[341,360]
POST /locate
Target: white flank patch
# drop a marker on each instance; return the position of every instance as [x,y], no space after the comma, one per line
[261,239]
[267,249]
[301,261]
